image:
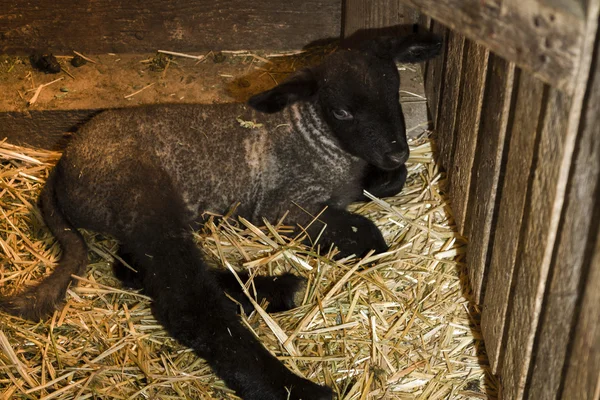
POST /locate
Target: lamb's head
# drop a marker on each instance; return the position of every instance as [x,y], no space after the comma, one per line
[357,92]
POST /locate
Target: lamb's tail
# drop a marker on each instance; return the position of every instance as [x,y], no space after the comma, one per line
[41,300]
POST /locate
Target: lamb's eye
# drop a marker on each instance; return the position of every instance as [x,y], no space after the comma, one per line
[342,115]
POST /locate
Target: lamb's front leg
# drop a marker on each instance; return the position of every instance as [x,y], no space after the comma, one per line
[350,233]
[282,292]
[382,183]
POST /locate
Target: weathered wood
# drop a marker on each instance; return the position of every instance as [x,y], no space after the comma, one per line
[47,129]
[360,15]
[449,98]
[473,80]
[582,375]
[433,75]
[134,26]
[488,158]
[581,380]
[577,231]
[522,136]
[544,40]
[424,25]
[536,242]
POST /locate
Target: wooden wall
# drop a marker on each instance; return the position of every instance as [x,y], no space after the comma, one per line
[138,26]
[515,101]
[522,154]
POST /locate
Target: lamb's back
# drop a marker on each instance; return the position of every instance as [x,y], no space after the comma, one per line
[211,158]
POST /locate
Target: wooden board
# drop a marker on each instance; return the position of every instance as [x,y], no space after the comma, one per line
[571,261]
[581,379]
[48,129]
[582,372]
[541,38]
[433,75]
[362,15]
[134,26]
[473,79]
[522,136]
[536,242]
[449,97]
[488,158]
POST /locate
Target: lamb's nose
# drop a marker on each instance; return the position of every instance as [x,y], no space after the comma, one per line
[396,157]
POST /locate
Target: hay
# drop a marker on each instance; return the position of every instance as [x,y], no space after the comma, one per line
[392,326]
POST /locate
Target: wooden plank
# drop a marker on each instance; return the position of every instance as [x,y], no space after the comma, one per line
[391,15]
[536,242]
[473,80]
[577,231]
[433,75]
[47,129]
[522,136]
[134,26]
[542,218]
[538,37]
[449,101]
[495,115]
[582,377]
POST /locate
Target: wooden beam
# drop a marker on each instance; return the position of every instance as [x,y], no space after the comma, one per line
[364,15]
[449,98]
[474,73]
[536,242]
[48,129]
[571,261]
[542,39]
[538,245]
[582,374]
[516,169]
[495,116]
[138,26]
[581,378]
[433,76]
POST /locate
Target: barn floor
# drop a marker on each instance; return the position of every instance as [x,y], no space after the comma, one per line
[392,326]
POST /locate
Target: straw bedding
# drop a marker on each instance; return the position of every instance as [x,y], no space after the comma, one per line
[391,326]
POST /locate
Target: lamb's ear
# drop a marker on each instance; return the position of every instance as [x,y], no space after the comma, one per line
[408,49]
[300,86]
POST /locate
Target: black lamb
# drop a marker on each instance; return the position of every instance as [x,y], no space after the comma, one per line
[147,175]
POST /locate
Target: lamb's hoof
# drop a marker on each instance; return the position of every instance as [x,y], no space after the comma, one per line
[286,293]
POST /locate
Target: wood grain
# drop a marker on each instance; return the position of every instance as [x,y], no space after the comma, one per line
[361,15]
[582,377]
[536,242]
[449,97]
[543,39]
[577,232]
[516,171]
[433,75]
[495,115]
[473,80]
[134,26]
[44,129]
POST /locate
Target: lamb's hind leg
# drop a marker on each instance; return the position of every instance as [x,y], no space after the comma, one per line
[282,292]
[189,303]
[130,273]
